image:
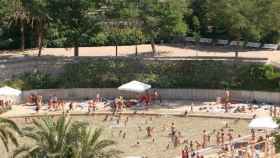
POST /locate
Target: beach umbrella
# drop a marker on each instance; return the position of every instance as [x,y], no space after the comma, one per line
[264,123]
[135,86]
[8,91]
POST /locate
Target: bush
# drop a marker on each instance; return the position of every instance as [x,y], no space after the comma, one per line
[18,84]
[180,74]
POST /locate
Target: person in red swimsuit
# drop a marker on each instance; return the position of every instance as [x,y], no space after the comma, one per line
[185,153]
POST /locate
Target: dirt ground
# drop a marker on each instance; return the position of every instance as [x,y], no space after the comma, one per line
[165,51]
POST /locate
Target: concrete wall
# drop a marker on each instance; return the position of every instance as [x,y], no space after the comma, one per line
[14,67]
[178,94]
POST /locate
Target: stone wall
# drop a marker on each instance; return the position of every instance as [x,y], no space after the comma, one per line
[15,67]
[170,94]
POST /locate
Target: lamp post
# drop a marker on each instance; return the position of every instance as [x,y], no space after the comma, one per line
[196,38]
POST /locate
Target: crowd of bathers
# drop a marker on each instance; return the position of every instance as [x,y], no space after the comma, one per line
[5,105]
[117,104]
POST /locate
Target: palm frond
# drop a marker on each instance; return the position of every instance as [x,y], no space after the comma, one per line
[10,124]
[3,132]
[12,138]
[21,152]
[5,142]
[8,130]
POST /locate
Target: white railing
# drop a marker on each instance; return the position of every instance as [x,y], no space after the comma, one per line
[234,43]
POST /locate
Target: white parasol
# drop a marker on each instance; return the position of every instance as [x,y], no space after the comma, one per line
[8,91]
[265,123]
[135,86]
[11,94]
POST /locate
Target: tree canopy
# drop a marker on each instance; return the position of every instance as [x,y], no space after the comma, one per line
[63,23]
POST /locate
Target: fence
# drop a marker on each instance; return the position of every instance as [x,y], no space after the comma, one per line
[234,43]
[169,94]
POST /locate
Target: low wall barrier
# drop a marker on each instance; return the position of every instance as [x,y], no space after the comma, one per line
[168,94]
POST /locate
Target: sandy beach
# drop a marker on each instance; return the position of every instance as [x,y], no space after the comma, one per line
[135,129]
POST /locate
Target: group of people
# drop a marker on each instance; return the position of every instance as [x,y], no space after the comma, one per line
[118,104]
[224,137]
[57,104]
[253,147]
[5,105]
[148,98]
[274,111]
[177,140]
[35,100]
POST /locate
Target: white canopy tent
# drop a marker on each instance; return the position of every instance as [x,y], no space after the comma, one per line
[8,93]
[135,86]
[264,123]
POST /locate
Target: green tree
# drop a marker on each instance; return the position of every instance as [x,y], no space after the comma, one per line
[4,42]
[199,16]
[77,18]
[163,18]
[196,24]
[8,132]
[121,16]
[250,20]
[269,12]
[228,15]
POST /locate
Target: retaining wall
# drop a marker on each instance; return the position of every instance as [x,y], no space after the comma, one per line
[10,68]
[169,94]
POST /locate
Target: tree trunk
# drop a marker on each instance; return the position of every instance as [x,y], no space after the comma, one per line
[40,43]
[76,50]
[22,46]
[153,47]
[116,50]
[136,50]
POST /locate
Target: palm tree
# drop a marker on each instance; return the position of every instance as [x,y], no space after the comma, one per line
[8,131]
[19,16]
[49,137]
[88,144]
[39,19]
[63,138]
[33,13]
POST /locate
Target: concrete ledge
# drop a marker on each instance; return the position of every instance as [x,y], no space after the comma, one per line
[222,116]
[141,113]
[166,94]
